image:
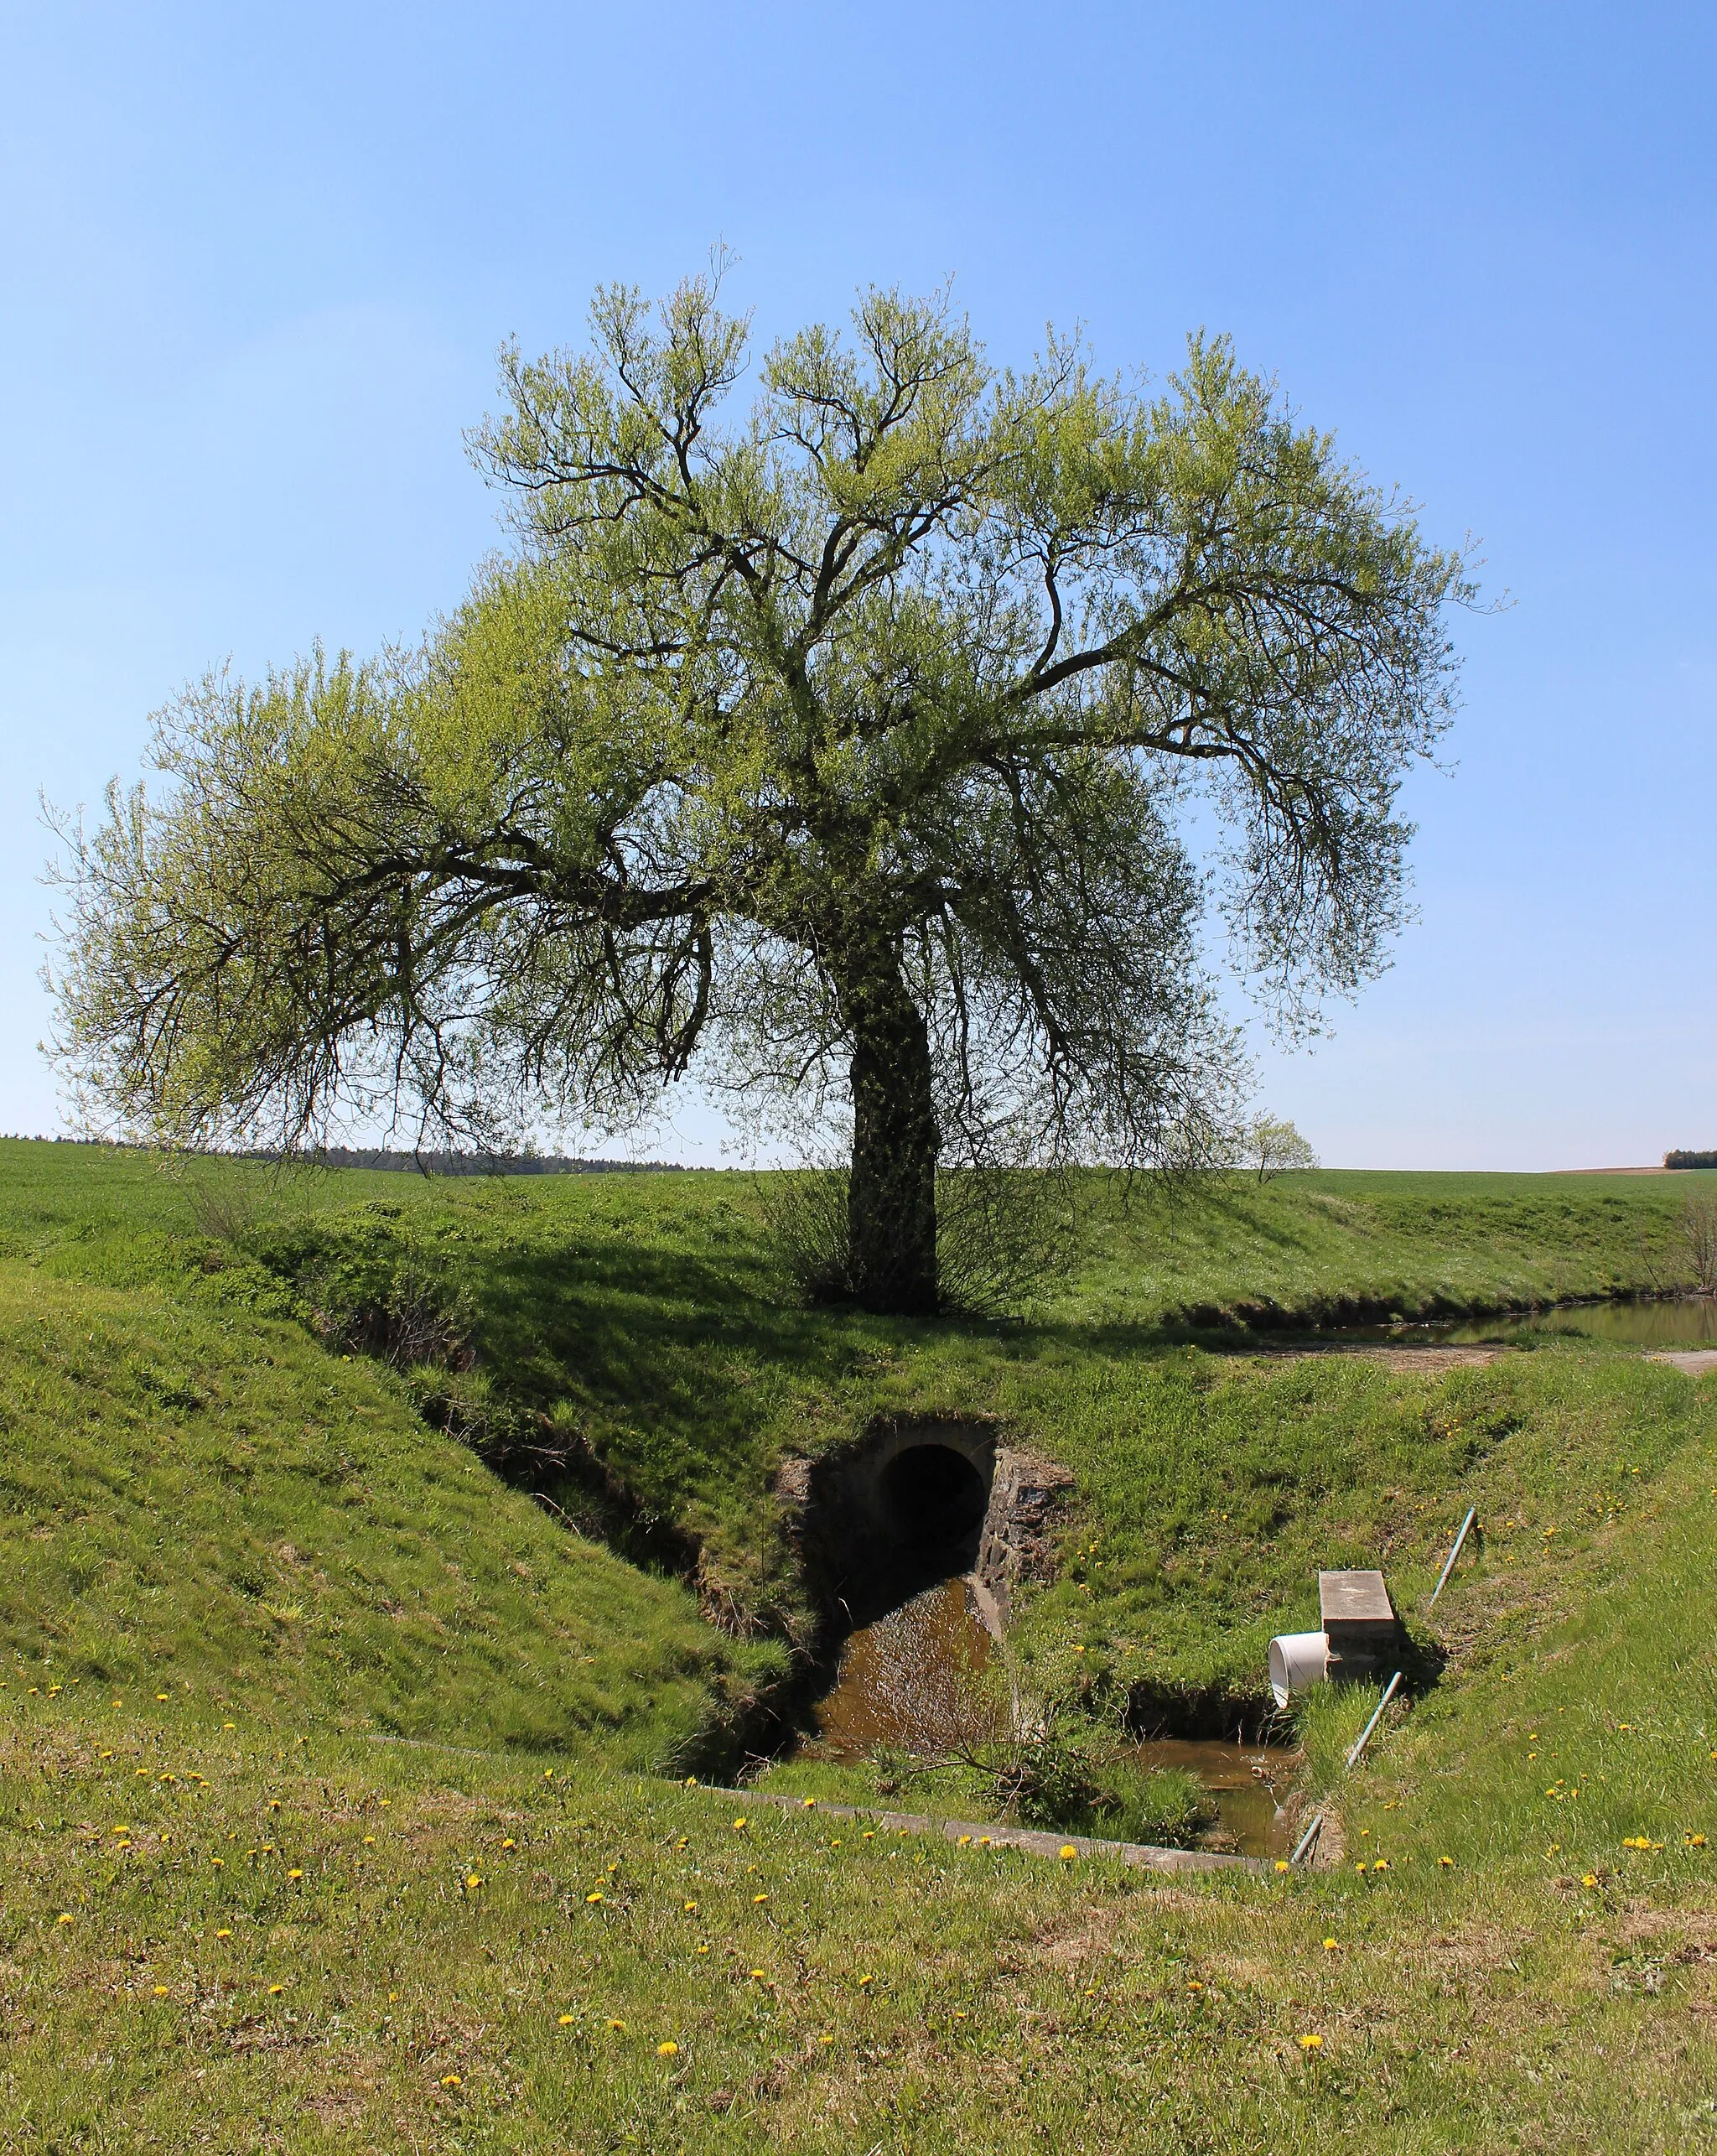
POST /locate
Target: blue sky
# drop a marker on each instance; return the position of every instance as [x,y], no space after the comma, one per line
[256,263]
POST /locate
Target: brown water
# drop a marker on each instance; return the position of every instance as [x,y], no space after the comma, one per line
[909,1682]
[1688,1321]
[1249,1782]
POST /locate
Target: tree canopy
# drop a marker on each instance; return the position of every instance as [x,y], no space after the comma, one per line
[855,750]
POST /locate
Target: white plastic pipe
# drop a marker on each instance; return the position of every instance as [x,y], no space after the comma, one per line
[1297,1660]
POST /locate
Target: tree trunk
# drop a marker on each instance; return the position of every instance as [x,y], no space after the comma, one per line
[891,1197]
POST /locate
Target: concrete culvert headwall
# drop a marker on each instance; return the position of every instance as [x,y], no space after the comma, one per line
[918,1501]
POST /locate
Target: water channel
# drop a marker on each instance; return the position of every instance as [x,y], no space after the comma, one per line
[1687,1321]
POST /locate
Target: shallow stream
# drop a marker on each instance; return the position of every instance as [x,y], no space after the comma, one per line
[1676,1322]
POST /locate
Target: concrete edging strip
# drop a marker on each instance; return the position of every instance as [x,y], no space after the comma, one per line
[1034,1843]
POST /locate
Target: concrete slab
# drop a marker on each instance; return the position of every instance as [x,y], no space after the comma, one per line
[1696,1362]
[1354,1597]
[988,1833]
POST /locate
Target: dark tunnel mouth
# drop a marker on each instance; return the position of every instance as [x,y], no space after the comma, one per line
[932,1495]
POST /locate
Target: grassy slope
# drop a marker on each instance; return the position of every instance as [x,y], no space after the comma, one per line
[446,1981]
[1496,2002]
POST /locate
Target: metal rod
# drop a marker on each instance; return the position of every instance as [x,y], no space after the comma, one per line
[1472,1514]
[1306,1839]
[1365,1735]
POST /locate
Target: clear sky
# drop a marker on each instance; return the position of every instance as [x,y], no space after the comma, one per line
[255,263]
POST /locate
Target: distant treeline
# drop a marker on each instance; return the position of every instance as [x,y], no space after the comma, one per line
[428,1164]
[1685,1160]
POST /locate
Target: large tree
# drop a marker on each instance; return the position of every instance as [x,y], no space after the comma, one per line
[852,749]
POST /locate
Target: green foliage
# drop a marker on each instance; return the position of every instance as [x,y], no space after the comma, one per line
[852,747]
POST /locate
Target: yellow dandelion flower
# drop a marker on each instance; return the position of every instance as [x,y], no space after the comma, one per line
[737,1824]
[690,1908]
[760,1976]
[985,1842]
[1359,1867]
[224,1931]
[450,2082]
[702,1949]
[1313,2042]
[964,1841]
[160,1696]
[1447,1862]
[1695,1841]
[1330,1945]
[369,1841]
[612,2023]
[509,1844]
[64,1917]
[566,2021]
[1589,1879]
[294,1873]
[870,1832]
[758,1898]
[1195,1986]
[275,1990]
[862,1981]
[666,2051]
[1283,1865]
[691,1781]
[811,1803]
[160,1990]
[472,1880]
[219,1862]
[593,1896]
[1380,1864]
[1066,1852]
[825,2038]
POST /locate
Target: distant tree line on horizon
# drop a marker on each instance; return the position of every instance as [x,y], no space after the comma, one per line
[1682,1159]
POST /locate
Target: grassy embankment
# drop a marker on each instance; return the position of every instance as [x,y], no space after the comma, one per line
[181,1482]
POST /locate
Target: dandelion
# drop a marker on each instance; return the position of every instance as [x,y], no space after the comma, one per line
[738,1824]
[690,1908]
[294,1873]
[275,1990]
[593,1896]
[1589,1879]
[1380,1863]
[1313,2042]
[1446,1863]
[450,2082]
[160,1990]
[472,1880]
[864,1980]
[759,1975]
[702,1949]
[566,2021]
[964,1842]
[160,1696]
[984,1841]
[691,1781]
[369,1841]
[811,1803]
[617,2026]
[825,2038]
[1695,1841]
[757,1898]
[870,1833]
[1195,1986]
[64,1917]
[1330,1945]
[1283,1865]
[1066,1852]
[1359,1867]
[225,1932]
[224,1725]
[666,2051]
[509,1844]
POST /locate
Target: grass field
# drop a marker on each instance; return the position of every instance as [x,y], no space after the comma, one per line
[239,1568]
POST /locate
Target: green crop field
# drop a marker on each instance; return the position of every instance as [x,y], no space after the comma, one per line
[332,1799]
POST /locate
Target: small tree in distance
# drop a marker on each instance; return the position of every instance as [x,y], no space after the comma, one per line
[1272,1147]
[844,753]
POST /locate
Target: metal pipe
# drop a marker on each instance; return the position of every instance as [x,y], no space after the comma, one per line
[1472,1514]
[1306,1839]
[1365,1735]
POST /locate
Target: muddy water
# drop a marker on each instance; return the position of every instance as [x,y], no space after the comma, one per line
[909,1682]
[1676,1322]
[1249,1783]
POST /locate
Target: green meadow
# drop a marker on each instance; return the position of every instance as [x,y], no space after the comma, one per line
[375,1556]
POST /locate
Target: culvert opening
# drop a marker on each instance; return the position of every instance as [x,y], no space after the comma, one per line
[933,1499]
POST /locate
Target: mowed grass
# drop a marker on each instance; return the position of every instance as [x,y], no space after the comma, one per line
[233,1938]
[210,1503]
[285,1934]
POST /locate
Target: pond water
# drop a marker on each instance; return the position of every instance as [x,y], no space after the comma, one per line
[1249,1783]
[1676,1322]
[908,1682]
